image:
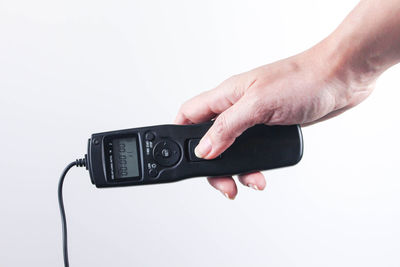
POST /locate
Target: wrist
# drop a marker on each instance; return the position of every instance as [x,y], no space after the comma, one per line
[352,64]
[347,76]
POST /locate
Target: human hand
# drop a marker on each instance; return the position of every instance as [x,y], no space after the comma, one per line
[307,88]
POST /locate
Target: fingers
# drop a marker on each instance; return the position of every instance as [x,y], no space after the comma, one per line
[255,180]
[208,104]
[226,185]
[228,125]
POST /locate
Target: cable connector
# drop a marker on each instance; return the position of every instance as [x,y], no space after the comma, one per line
[81,162]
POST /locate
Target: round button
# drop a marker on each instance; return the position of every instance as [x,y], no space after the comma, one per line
[149,136]
[153,172]
[167,153]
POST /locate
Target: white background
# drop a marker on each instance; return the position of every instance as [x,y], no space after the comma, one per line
[72,68]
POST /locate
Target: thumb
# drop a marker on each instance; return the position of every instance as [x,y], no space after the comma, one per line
[229,124]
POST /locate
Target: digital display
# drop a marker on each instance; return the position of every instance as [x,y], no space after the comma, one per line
[126,158]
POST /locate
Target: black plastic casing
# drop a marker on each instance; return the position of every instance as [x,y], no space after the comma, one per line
[259,148]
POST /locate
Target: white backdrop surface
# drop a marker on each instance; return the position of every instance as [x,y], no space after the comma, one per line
[72,68]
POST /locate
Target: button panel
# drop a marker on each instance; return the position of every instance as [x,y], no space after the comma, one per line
[159,153]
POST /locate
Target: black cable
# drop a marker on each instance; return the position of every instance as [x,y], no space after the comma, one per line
[78,163]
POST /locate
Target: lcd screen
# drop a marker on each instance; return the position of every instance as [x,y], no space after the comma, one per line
[126,158]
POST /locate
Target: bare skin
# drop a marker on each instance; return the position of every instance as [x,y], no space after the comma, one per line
[322,82]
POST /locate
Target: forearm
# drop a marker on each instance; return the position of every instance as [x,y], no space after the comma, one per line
[368,40]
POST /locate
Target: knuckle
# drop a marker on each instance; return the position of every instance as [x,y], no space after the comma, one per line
[236,85]
[232,81]
[237,92]
[258,112]
[269,112]
[277,114]
[257,106]
[268,106]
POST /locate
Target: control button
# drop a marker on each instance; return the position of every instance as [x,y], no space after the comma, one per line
[167,153]
[153,172]
[191,146]
[149,136]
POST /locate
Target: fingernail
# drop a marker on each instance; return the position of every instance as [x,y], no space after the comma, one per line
[255,187]
[227,196]
[203,148]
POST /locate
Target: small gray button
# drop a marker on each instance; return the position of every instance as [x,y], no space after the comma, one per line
[153,172]
[149,136]
[165,153]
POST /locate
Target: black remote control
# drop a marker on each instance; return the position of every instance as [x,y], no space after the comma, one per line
[165,153]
